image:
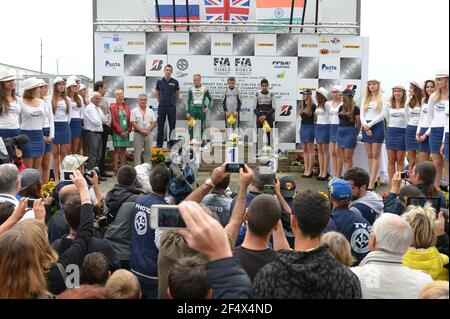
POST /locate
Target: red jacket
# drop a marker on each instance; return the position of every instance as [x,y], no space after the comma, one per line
[115,120]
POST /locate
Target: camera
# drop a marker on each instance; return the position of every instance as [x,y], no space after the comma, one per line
[9,148]
[90,173]
[234,167]
[102,221]
[30,203]
[404,175]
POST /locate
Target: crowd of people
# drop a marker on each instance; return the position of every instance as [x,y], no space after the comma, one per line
[346,242]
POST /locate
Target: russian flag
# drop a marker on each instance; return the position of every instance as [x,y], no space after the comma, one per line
[181,10]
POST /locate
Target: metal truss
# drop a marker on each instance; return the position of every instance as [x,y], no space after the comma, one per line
[134,25]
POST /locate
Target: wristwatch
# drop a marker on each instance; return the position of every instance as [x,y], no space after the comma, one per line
[210,183]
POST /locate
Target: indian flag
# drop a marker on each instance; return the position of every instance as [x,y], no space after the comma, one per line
[279,11]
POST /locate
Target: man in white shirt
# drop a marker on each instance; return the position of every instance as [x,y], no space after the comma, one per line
[9,183]
[143,121]
[93,127]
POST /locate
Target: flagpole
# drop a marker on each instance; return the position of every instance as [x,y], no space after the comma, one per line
[317,14]
[174,12]
[157,13]
[187,14]
[292,15]
[303,15]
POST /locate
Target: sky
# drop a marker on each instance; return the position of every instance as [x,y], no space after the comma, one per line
[408,38]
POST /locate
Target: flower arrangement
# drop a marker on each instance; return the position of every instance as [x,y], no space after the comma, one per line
[231,120]
[159,155]
[192,121]
[266,151]
[47,189]
[266,127]
[324,195]
[233,139]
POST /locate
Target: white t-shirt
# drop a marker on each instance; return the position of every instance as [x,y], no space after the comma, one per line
[334,113]
[10,120]
[397,118]
[32,118]
[48,117]
[413,114]
[75,111]
[425,120]
[143,120]
[446,120]
[373,116]
[436,112]
[60,114]
[323,114]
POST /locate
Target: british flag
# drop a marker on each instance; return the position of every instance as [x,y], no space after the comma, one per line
[226,10]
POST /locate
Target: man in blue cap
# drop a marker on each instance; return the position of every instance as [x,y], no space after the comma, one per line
[345,221]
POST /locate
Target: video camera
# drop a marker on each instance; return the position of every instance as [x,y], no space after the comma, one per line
[11,148]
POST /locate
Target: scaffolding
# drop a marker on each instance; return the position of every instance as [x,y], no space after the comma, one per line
[137,25]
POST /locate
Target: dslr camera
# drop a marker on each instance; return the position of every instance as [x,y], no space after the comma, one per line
[102,221]
[11,148]
[90,173]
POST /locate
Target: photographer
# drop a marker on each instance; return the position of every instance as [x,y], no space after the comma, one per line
[423,177]
[396,200]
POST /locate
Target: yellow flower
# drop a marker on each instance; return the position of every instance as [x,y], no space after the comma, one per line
[231,120]
[266,127]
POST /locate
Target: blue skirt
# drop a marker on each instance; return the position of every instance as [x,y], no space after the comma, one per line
[446,147]
[62,133]
[307,133]
[377,134]
[322,132]
[395,140]
[346,137]
[9,133]
[424,147]
[333,132]
[410,138]
[436,139]
[48,147]
[35,146]
[75,128]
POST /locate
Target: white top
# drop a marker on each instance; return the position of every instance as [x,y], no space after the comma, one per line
[436,113]
[143,120]
[32,118]
[75,111]
[413,114]
[397,117]
[425,120]
[373,117]
[93,118]
[60,114]
[446,122]
[10,120]
[334,113]
[323,114]
[48,118]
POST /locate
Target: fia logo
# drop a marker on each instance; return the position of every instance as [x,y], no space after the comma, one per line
[286,110]
[243,62]
[156,65]
[222,62]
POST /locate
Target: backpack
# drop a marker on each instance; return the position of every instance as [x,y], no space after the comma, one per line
[181,181]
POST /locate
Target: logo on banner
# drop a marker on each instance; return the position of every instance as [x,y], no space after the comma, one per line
[335,41]
[157,65]
[329,67]
[135,87]
[282,75]
[115,46]
[351,46]
[265,44]
[135,43]
[286,110]
[178,43]
[243,66]
[112,65]
[278,13]
[182,64]
[222,66]
[281,64]
[222,44]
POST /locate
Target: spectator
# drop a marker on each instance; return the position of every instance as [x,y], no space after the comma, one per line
[121,129]
[305,272]
[9,183]
[183,273]
[6,210]
[84,292]
[119,206]
[353,226]
[143,172]
[219,202]
[396,200]
[262,176]
[435,290]
[226,277]
[173,246]
[339,247]
[262,217]
[72,213]
[366,203]
[23,265]
[30,183]
[423,177]
[381,273]
[144,242]
[57,224]
[95,270]
[123,285]
[10,216]
[423,255]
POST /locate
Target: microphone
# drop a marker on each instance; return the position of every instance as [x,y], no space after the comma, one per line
[21,139]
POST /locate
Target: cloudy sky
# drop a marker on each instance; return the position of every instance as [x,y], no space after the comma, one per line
[408,38]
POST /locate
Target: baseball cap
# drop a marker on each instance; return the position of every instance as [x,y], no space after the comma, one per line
[288,186]
[29,177]
[72,162]
[339,189]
